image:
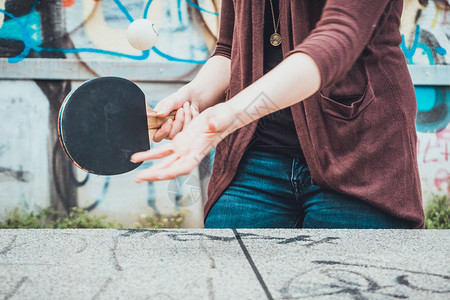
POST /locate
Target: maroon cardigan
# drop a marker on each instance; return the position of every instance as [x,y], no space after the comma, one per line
[358,133]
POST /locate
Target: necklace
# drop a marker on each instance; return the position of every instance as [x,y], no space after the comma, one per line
[275,38]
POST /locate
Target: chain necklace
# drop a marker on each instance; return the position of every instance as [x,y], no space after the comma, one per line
[275,38]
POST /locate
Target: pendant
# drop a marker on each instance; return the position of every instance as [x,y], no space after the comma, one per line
[275,39]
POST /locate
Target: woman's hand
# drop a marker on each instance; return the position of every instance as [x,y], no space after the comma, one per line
[190,146]
[182,102]
[205,90]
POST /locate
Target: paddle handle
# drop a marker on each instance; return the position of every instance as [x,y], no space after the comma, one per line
[156,122]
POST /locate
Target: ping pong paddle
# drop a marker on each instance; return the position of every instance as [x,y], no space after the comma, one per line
[103,122]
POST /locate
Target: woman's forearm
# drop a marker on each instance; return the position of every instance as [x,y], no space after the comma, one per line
[293,80]
[209,85]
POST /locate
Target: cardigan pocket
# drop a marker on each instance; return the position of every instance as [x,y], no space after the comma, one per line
[347,107]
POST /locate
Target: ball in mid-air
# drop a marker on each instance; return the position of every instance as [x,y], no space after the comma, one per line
[142,34]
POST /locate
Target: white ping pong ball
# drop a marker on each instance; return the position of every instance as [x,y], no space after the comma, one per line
[142,34]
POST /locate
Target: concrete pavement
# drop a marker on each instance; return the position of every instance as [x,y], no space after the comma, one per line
[224,264]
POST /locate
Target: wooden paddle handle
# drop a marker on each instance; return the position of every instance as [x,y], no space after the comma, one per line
[156,122]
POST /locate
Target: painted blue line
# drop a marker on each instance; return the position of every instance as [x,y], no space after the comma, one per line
[201,9]
[32,9]
[145,54]
[441,51]
[27,47]
[25,36]
[409,52]
[124,10]
[151,194]
[102,195]
[147,7]
[171,58]
[179,11]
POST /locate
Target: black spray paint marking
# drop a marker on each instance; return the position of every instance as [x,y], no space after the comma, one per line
[360,281]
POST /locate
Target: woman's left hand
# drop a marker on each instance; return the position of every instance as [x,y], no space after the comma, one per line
[190,146]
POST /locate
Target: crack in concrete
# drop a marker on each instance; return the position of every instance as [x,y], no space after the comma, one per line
[212,262]
[16,288]
[103,288]
[8,247]
[209,282]
[116,264]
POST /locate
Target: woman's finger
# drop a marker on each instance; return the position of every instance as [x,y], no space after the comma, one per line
[164,131]
[177,123]
[187,113]
[169,104]
[194,111]
[159,152]
[153,173]
[171,168]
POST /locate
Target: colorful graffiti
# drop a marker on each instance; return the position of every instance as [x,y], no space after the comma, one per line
[425,33]
[426,41]
[434,154]
[98,27]
[92,33]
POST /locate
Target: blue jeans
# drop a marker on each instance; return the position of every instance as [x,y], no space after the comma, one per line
[275,191]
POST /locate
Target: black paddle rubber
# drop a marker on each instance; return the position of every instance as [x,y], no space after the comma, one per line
[102,123]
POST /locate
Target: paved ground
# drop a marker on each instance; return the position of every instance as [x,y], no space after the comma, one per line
[224,264]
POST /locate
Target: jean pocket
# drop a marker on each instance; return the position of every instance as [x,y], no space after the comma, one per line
[348,107]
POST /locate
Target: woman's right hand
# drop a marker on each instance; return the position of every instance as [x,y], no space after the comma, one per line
[182,102]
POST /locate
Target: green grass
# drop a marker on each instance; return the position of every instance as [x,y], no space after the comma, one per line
[437,216]
[80,218]
[437,212]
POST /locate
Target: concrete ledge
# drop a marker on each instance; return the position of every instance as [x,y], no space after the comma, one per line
[165,71]
[224,264]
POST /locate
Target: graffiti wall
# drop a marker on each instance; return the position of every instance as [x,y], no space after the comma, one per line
[426,30]
[49,47]
[76,40]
